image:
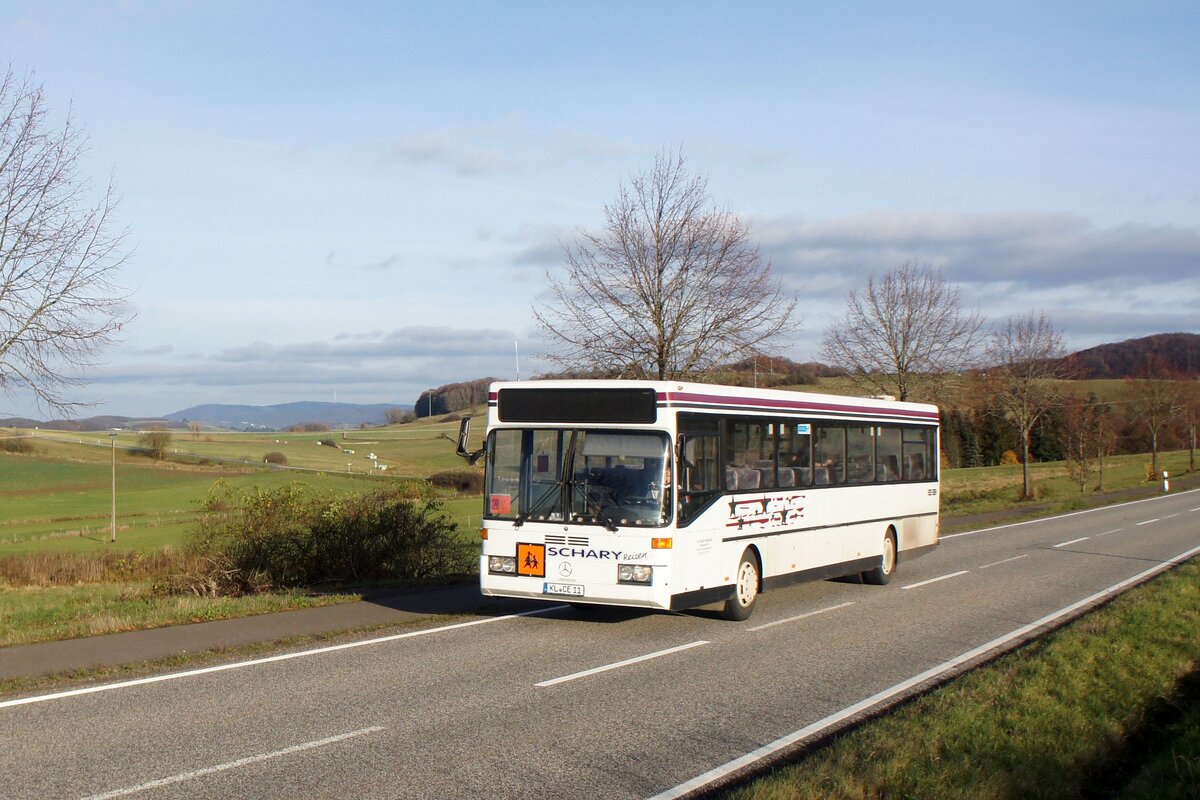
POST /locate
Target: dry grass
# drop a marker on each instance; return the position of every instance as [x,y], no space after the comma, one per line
[73,568]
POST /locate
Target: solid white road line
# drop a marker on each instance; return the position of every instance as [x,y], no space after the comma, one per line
[1005,561]
[1065,516]
[627,662]
[241,762]
[1073,541]
[802,616]
[815,729]
[172,676]
[935,580]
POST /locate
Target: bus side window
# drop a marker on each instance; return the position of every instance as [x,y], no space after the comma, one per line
[698,472]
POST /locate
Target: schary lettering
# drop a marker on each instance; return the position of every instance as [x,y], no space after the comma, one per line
[582,552]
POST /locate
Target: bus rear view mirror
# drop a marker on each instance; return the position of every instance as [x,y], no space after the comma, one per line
[464,433]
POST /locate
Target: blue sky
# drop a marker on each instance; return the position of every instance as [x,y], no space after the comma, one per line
[361,201]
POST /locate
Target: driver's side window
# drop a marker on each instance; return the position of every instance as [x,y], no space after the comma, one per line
[699,468]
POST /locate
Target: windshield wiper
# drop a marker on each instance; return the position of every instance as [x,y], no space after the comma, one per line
[609,524]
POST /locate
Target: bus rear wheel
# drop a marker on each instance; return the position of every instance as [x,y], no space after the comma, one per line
[740,604]
[883,573]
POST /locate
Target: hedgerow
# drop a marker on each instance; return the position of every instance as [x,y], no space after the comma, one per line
[290,537]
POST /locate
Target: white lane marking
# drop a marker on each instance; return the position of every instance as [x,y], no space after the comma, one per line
[172,676]
[802,616]
[1170,516]
[1147,522]
[627,662]
[1106,533]
[1005,561]
[1073,541]
[241,762]
[815,729]
[935,580]
[1065,516]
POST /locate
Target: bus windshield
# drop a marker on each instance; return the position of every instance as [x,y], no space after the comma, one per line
[607,478]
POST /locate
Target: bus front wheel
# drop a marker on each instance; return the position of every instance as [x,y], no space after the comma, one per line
[740,604]
[883,573]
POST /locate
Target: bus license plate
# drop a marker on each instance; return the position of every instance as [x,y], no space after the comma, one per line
[563,588]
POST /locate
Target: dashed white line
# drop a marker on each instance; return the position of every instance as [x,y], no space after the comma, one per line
[1147,522]
[934,673]
[627,662]
[171,676]
[935,580]
[802,616]
[241,762]
[1073,541]
[1065,516]
[1005,561]
[1106,533]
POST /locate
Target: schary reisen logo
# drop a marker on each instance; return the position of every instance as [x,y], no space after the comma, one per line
[764,512]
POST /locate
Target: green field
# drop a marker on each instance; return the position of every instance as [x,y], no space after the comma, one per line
[60,496]
[55,502]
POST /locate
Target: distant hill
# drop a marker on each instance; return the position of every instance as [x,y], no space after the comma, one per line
[103,423]
[1163,355]
[284,415]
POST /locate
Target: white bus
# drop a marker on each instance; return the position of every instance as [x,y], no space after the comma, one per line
[672,495]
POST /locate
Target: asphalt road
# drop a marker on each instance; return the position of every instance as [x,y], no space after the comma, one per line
[550,704]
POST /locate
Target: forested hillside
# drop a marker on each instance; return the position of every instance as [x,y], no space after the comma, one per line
[1164,355]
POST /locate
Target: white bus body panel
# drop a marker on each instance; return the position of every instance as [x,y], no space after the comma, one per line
[804,533]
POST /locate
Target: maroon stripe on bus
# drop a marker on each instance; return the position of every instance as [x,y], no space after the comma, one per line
[799,405]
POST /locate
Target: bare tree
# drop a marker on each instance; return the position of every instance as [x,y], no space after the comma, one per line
[1155,402]
[1082,431]
[907,326]
[668,289]
[1024,355]
[1191,418]
[156,441]
[58,252]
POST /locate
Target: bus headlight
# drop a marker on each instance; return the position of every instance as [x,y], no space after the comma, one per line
[634,573]
[504,565]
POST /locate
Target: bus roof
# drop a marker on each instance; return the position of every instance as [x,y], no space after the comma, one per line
[708,397]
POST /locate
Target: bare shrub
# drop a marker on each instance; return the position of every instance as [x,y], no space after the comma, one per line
[460,480]
[20,445]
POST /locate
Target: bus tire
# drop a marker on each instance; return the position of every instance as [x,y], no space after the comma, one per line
[740,603]
[883,573]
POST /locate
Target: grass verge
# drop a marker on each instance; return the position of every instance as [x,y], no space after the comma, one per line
[46,613]
[1108,706]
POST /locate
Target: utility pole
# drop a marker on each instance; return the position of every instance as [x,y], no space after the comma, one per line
[112,436]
